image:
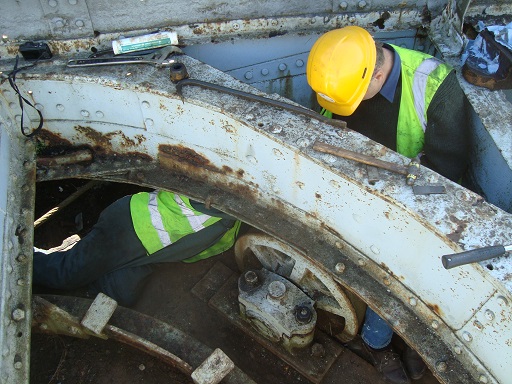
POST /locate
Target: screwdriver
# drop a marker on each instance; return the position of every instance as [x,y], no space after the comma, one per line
[474,255]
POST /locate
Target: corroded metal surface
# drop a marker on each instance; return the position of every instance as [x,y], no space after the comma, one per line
[17,191]
[257,162]
[60,314]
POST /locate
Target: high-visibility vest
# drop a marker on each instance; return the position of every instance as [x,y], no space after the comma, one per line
[422,75]
[161,218]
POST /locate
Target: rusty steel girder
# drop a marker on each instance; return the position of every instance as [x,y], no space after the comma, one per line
[256,162]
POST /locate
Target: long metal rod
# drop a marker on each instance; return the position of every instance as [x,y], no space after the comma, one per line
[75,195]
[260,99]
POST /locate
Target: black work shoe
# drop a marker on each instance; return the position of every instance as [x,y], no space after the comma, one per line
[388,363]
[414,364]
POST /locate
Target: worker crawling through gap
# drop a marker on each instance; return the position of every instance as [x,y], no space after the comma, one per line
[131,236]
[407,101]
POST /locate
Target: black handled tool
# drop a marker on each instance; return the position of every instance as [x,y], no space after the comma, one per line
[475,255]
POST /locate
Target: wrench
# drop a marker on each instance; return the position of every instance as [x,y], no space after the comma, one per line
[158,59]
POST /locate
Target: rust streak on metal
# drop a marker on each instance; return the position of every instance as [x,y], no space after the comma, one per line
[66,159]
[435,308]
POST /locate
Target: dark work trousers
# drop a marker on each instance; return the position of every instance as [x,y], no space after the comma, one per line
[111,259]
[97,259]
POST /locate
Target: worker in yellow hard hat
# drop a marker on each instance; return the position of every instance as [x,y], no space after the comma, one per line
[406,100]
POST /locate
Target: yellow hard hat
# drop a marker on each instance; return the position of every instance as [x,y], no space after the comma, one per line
[340,67]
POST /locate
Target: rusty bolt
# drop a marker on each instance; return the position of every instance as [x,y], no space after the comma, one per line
[178,72]
[251,278]
[276,289]
[303,314]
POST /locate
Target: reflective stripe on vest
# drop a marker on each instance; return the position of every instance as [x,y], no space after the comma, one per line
[161,218]
[422,75]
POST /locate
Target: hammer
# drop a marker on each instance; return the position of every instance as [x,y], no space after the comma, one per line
[411,171]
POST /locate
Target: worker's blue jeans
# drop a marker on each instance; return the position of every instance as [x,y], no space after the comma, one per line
[376,332]
[97,260]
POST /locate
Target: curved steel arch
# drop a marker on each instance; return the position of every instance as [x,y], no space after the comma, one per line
[256,162]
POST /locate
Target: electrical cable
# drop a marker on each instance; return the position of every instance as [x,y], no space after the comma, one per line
[12,81]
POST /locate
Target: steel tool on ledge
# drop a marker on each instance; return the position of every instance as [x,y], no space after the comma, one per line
[474,255]
[158,58]
[411,171]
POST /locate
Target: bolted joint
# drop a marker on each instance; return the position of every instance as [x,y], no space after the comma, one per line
[303,314]
[178,72]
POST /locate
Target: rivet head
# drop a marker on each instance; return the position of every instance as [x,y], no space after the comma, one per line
[467,336]
[18,314]
[18,365]
[361,262]
[248,75]
[264,72]
[502,300]
[282,67]
[457,349]
[299,63]
[413,301]
[386,281]
[340,267]
[361,4]
[84,113]
[80,23]
[441,366]
[489,315]
[483,379]
[59,107]
[435,324]
[52,3]
[478,325]
[343,5]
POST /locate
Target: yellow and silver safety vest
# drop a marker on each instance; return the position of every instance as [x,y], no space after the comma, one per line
[161,218]
[422,75]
